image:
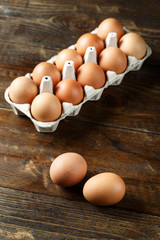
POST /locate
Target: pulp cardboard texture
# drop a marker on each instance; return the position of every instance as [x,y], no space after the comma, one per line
[89,92]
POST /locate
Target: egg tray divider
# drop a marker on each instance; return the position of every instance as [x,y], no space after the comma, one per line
[90,94]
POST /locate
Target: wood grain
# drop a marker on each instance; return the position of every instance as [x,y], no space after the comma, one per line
[119,133]
[40,216]
[105,149]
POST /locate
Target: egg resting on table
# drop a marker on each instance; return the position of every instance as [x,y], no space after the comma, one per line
[104,189]
[68,169]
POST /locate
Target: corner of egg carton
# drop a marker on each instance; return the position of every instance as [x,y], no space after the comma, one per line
[18,109]
[89,92]
[133,63]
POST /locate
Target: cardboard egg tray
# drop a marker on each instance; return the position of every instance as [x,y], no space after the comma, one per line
[90,94]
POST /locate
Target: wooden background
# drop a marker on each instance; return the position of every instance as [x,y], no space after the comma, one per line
[119,133]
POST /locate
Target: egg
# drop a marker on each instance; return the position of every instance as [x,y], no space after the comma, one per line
[69,90]
[113,59]
[46,107]
[22,90]
[91,74]
[132,44]
[46,69]
[68,169]
[68,55]
[89,40]
[104,189]
[110,25]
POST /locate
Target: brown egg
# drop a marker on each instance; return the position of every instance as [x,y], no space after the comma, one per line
[68,55]
[104,189]
[70,91]
[22,90]
[46,69]
[113,59]
[133,44]
[110,25]
[89,40]
[46,107]
[91,74]
[68,169]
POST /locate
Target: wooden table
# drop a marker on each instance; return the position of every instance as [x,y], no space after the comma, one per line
[119,133]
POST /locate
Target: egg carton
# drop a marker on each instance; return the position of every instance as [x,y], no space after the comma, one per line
[90,94]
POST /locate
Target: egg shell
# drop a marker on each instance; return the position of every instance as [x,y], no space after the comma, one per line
[68,169]
[89,40]
[46,107]
[132,44]
[69,90]
[91,74]
[113,59]
[46,69]
[68,55]
[110,25]
[22,90]
[104,189]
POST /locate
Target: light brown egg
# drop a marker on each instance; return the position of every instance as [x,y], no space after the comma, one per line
[110,25]
[91,74]
[89,40]
[70,91]
[104,189]
[68,55]
[46,69]
[133,44]
[68,169]
[46,107]
[22,90]
[113,59]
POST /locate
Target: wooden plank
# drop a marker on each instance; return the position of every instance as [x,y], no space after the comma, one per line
[34,215]
[119,133]
[21,23]
[134,104]
[26,155]
[22,58]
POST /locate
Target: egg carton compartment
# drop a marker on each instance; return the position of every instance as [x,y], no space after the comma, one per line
[90,94]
